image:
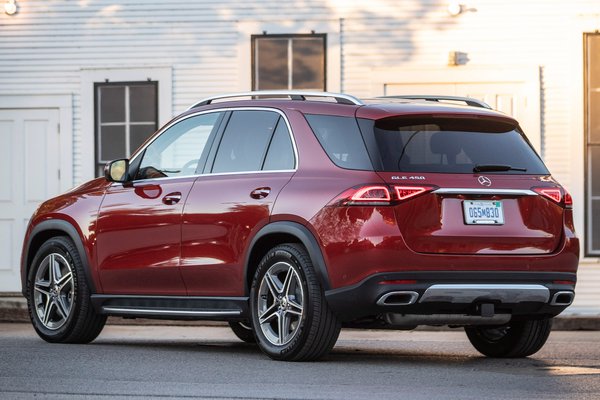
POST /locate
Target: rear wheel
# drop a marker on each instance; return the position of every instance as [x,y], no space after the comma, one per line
[243,330]
[291,318]
[58,297]
[513,340]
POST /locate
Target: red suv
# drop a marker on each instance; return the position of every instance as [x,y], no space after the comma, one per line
[291,214]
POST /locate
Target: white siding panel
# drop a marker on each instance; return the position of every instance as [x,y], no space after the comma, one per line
[44,47]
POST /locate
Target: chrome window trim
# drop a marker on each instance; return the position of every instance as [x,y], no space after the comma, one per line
[225,109]
[510,192]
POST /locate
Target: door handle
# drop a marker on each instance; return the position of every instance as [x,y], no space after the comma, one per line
[172,198]
[260,193]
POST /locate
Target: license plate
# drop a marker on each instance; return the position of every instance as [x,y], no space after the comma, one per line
[483,212]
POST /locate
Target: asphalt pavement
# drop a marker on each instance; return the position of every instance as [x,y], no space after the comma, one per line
[129,362]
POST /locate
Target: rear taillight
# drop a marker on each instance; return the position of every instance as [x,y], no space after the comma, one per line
[406,192]
[557,195]
[371,193]
[568,200]
[379,194]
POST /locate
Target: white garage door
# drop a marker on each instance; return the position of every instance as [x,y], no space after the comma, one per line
[29,174]
[511,98]
[514,91]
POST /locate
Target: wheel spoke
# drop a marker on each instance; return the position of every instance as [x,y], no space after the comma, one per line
[268,315]
[272,285]
[52,269]
[47,311]
[286,324]
[288,279]
[280,326]
[295,307]
[298,313]
[62,308]
[42,283]
[64,280]
[42,291]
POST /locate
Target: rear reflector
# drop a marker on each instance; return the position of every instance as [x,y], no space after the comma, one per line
[399,282]
[563,282]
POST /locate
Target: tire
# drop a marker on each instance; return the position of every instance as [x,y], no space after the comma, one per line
[515,340]
[290,315]
[243,330]
[58,298]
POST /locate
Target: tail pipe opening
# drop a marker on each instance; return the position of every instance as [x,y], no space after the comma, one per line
[399,298]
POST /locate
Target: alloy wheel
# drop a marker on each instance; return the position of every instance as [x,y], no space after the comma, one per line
[53,291]
[280,303]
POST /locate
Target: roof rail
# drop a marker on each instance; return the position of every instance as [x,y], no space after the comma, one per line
[467,100]
[292,94]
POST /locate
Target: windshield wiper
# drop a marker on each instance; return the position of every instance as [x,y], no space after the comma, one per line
[496,167]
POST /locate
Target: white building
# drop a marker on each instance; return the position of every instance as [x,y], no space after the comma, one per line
[82,81]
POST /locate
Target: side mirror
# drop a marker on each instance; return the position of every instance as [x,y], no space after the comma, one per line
[116,171]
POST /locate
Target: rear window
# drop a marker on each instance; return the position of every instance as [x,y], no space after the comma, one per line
[341,140]
[447,145]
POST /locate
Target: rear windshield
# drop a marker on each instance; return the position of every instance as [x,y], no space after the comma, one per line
[449,145]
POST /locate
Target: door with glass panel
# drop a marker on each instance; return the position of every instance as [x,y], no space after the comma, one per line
[139,223]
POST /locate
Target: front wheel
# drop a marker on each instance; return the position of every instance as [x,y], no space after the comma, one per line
[58,296]
[513,340]
[290,315]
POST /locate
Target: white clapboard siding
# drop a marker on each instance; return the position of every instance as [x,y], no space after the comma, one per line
[45,47]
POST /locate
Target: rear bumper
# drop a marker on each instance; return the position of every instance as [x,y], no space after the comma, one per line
[518,294]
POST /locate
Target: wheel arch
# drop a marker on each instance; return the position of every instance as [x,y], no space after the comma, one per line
[40,234]
[277,233]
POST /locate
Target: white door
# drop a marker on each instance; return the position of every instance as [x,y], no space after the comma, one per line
[29,174]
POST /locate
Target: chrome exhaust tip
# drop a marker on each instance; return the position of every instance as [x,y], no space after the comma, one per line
[564,298]
[399,298]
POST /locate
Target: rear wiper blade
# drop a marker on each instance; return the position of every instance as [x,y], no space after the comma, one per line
[496,167]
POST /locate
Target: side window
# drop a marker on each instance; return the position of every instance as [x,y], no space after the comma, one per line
[341,139]
[178,150]
[280,155]
[245,141]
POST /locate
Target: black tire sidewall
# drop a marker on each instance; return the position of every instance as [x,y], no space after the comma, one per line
[287,351]
[64,247]
[243,333]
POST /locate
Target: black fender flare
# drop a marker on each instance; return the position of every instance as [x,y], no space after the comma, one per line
[305,236]
[70,231]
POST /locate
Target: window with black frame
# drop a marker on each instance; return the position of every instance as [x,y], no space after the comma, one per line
[126,115]
[286,62]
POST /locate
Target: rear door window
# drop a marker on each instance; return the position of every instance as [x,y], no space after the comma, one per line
[446,145]
[255,140]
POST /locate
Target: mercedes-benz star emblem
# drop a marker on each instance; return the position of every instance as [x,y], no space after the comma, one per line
[484,180]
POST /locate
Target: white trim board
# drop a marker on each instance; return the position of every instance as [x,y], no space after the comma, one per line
[89,76]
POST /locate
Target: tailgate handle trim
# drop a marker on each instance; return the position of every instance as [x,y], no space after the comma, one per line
[509,192]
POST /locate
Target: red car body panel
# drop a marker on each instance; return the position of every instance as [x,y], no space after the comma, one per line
[219,220]
[139,238]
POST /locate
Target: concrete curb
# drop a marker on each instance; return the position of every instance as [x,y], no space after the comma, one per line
[14,309]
